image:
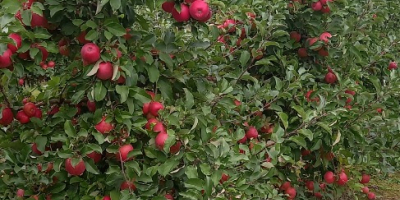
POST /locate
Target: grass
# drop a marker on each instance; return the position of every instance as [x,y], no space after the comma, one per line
[386,188]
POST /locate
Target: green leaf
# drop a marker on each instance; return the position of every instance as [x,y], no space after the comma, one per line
[278,134]
[307,133]
[115,4]
[325,127]
[100,91]
[166,58]
[299,140]
[123,91]
[99,137]
[167,167]
[244,58]
[189,99]
[115,195]
[90,166]
[194,183]
[153,73]
[205,168]
[191,172]
[116,29]
[92,35]
[284,118]
[41,142]
[69,129]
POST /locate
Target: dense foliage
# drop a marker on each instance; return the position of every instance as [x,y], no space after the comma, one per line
[245,99]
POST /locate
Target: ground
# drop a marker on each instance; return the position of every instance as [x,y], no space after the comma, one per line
[386,188]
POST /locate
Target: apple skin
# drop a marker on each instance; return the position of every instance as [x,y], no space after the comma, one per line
[95,156]
[175,148]
[302,52]
[105,71]
[318,195]
[22,117]
[291,192]
[310,185]
[17,42]
[392,65]
[159,128]
[224,178]
[330,78]
[81,38]
[295,36]
[371,195]
[5,59]
[227,23]
[199,10]
[329,177]
[168,6]
[342,178]
[160,140]
[207,18]
[325,37]
[123,152]
[126,185]
[169,196]
[252,132]
[243,140]
[76,170]
[365,179]
[146,107]
[316,6]
[20,193]
[151,122]
[30,109]
[106,198]
[38,113]
[90,53]
[182,16]
[35,149]
[91,106]
[7,116]
[365,190]
[39,21]
[44,51]
[154,107]
[103,126]
[286,185]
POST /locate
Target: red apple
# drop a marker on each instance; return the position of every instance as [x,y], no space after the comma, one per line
[91,106]
[325,9]
[316,6]
[169,196]
[50,166]
[7,116]
[330,78]
[324,37]
[199,10]
[95,156]
[371,195]
[51,64]
[175,148]
[291,192]
[168,6]
[35,149]
[159,128]
[243,140]
[90,53]
[160,140]
[183,15]
[224,178]
[365,190]
[22,117]
[150,123]
[318,195]
[16,44]
[229,23]
[392,65]
[286,185]
[20,193]
[252,132]
[155,107]
[302,52]
[38,21]
[127,185]
[38,113]
[295,36]
[305,152]
[105,71]
[5,59]
[106,198]
[30,109]
[76,170]
[323,52]
[123,152]
[81,38]
[55,109]
[64,50]
[310,185]
[103,126]
[342,178]
[43,50]
[329,177]
[207,18]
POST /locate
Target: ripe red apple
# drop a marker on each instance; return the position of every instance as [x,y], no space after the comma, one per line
[365,190]
[312,41]
[35,149]
[29,109]
[224,178]
[76,170]
[22,117]
[243,140]
[291,192]
[392,65]
[103,126]
[295,36]
[325,9]
[105,71]
[21,82]
[7,116]
[64,50]
[342,178]
[302,52]
[323,52]
[229,23]
[160,140]
[169,196]
[51,64]
[81,38]
[330,77]
[20,193]
[379,110]
[324,37]
[146,107]
[305,152]
[329,177]
[95,156]
[175,148]
[90,53]
[55,109]
[310,185]
[252,132]
[39,21]
[16,44]
[183,15]
[5,59]
[123,152]
[127,185]
[286,185]
[43,50]
[322,186]
[207,18]
[155,107]
[38,113]
[199,10]
[371,195]
[106,198]
[151,123]
[159,128]
[91,106]
[50,166]
[316,6]
[365,179]
[168,6]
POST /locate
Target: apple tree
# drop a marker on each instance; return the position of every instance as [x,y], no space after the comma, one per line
[193,99]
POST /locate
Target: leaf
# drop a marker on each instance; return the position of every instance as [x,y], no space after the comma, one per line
[337,140]
[307,133]
[69,129]
[277,135]
[325,127]
[153,73]
[278,83]
[94,69]
[166,58]
[205,168]
[167,167]
[244,58]
[99,137]
[100,91]
[299,140]
[116,29]
[92,35]
[189,103]
[115,72]
[90,166]
[115,4]
[123,91]
[284,118]
[191,172]
[41,142]
[194,183]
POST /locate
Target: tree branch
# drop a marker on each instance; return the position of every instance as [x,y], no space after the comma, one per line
[4,95]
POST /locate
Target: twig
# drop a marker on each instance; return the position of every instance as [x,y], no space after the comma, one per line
[312,122]
[4,95]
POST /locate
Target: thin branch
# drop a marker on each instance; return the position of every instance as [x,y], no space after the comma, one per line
[4,95]
[304,124]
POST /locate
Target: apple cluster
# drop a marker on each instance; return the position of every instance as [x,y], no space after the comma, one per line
[196,9]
